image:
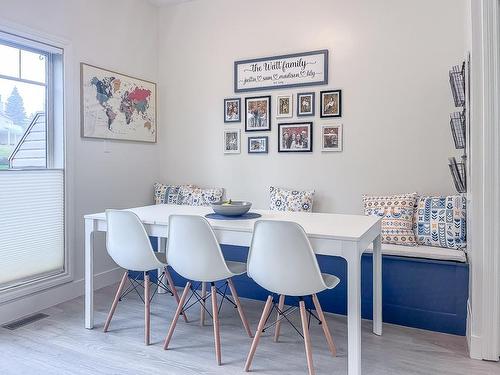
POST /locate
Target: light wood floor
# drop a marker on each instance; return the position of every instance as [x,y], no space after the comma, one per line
[60,345]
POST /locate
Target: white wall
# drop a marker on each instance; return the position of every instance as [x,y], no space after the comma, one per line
[116,34]
[390,58]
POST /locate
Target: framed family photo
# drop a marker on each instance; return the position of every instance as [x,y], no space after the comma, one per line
[305,104]
[258,145]
[295,137]
[331,103]
[331,137]
[284,105]
[258,113]
[232,141]
[232,110]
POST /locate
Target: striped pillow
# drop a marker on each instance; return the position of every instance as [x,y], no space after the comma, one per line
[397,213]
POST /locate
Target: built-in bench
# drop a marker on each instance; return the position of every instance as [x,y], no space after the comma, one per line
[423,287]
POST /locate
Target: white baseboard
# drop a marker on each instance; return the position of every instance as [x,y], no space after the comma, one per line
[473,341]
[39,301]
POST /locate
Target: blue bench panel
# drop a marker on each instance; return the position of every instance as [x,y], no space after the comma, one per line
[420,293]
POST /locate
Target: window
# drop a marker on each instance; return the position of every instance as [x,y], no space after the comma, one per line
[32,237]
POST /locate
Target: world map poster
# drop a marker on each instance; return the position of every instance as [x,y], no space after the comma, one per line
[117,106]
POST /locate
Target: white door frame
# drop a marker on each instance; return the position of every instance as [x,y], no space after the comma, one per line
[484,194]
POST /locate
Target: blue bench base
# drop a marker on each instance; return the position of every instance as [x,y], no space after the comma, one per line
[419,293]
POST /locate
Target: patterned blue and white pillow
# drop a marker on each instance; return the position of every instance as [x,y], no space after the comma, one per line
[291,200]
[441,221]
[195,196]
[168,194]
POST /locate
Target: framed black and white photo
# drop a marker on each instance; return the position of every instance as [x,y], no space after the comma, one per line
[284,105]
[232,110]
[305,104]
[258,113]
[258,145]
[295,137]
[232,141]
[331,103]
[331,137]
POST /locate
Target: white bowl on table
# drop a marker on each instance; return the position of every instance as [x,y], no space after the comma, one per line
[231,208]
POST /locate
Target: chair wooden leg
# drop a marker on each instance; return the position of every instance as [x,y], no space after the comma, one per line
[281,304]
[240,308]
[171,285]
[147,309]
[215,315]
[307,337]
[187,288]
[202,303]
[324,325]
[116,300]
[258,333]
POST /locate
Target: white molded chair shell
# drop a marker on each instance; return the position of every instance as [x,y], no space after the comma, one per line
[128,243]
[194,252]
[282,260]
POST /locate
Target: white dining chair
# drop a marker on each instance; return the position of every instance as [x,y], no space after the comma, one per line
[282,261]
[194,253]
[128,244]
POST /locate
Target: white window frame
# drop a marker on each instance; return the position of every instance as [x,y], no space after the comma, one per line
[24,36]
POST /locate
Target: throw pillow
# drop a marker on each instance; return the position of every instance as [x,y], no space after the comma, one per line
[441,221]
[397,213]
[195,196]
[291,200]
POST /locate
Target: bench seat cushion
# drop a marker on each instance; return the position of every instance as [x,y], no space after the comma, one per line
[426,252]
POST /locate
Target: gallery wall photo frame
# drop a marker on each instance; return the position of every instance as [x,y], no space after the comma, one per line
[295,137]
[331,138]
[282,71]
[258,113]
[258,145]
[232,110]
[306,104]
[284,105]
[117,106]
[330,104]
[232,141]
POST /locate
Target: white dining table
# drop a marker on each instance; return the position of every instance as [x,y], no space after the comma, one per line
[346,236]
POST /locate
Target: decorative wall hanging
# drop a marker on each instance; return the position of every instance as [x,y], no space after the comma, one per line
[295,137]
[331,137]
[232,141]
[258,145]
[258,113]
[305,104]
[284,105]
[278,72]
[117,106]
[232,110]
[331,103]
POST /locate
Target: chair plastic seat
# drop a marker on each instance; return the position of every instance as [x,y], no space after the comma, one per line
[237,268]
[331,281]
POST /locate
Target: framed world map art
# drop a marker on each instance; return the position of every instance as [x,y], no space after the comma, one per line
[117,106]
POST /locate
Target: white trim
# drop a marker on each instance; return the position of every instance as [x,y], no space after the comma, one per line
[484,194]
[59,44]
[491,190]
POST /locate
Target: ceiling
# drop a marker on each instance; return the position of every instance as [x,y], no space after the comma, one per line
[167,2]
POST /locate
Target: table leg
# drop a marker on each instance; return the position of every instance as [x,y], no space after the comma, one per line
[353,258]
[90,227]
[161,249]
[377,286]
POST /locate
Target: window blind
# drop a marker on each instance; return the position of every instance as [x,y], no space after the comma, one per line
[31,225]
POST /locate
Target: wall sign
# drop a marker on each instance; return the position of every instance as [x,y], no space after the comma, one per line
[277,72]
